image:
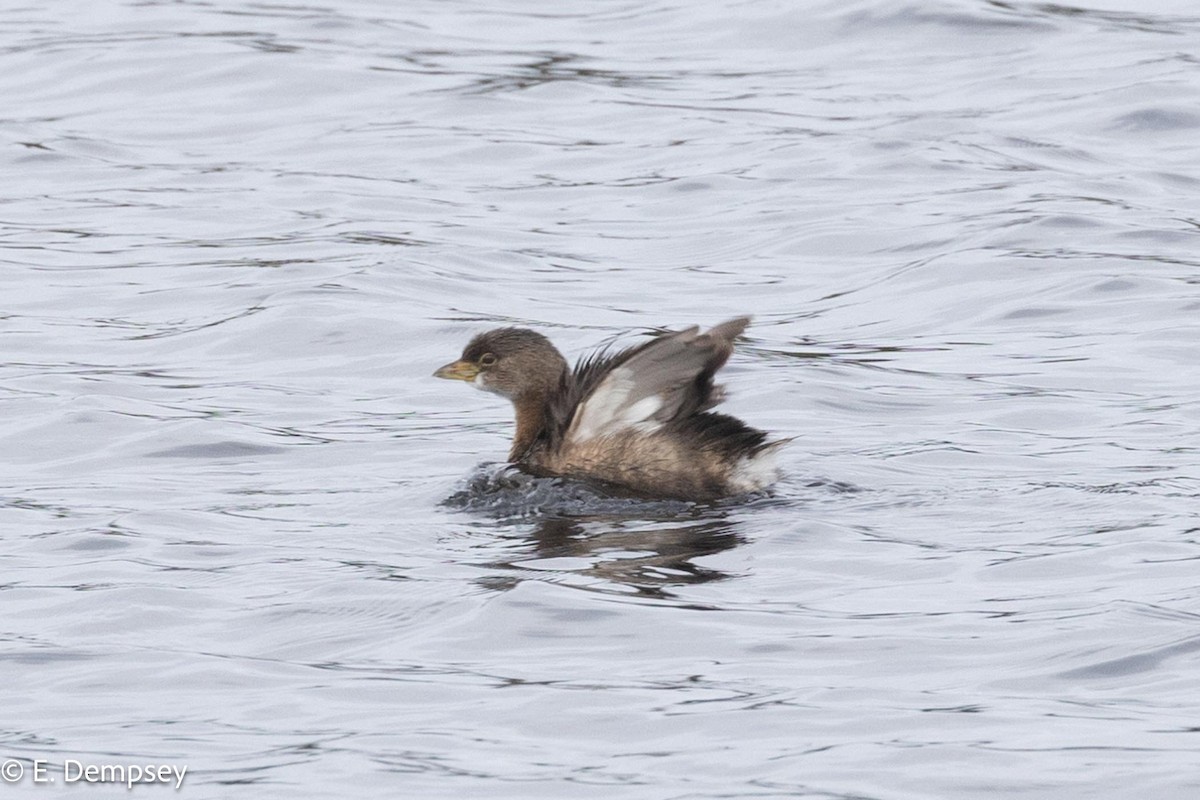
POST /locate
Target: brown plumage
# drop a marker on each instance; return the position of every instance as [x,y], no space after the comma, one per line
[638,418]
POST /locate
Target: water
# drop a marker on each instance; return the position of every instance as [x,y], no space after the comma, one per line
[244,531]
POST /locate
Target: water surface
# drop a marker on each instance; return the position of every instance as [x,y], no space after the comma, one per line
[243,529]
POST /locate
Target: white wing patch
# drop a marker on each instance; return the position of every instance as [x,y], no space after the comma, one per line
[607,410]
[654,383]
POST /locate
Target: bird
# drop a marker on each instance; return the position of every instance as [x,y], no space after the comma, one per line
[638,419]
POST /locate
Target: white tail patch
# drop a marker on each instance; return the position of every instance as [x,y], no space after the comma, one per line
[756,472]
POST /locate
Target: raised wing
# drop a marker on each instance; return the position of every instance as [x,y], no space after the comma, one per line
[646,387]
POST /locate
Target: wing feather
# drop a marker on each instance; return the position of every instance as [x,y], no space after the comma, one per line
[646,387]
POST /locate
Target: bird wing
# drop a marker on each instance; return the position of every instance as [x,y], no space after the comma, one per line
[645,387]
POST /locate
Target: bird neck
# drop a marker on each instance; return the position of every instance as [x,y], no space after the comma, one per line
[531,421]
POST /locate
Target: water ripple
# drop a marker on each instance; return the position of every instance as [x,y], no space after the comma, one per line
[243,529]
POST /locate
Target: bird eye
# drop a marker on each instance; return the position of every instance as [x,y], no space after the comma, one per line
[487,359]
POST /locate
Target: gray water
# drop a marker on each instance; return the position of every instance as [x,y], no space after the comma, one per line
[244,531]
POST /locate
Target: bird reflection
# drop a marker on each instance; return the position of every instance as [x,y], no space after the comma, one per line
[645,545]
[648,559]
